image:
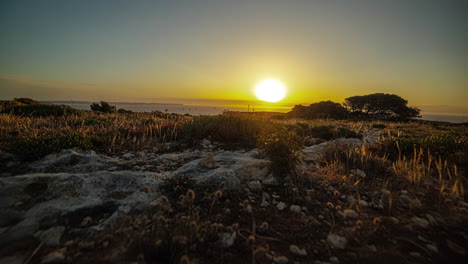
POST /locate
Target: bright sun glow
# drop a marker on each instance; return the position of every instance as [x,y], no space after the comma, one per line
[270,90]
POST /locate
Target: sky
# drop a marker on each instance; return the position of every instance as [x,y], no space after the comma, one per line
[211,51]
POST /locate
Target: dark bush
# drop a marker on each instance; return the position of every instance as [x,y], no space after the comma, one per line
[27,101]
[282,147]
[35,147]
[104,107]
[228,128]
[43,110]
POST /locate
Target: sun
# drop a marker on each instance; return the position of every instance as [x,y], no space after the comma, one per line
[270,90]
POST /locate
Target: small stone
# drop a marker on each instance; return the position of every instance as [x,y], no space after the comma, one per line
[415,203]
[295,209]
[265,199]
[404,199]
[359,173]
[350,199]
[280,260]
[337,241]
[350,214]
[208,162]
[385,192]
[394,220]
[372,248]
[363,203]
[86,245]
[432,248]
[314,221]
[343,197]
[320,217]
[281,206]
[431,219]
[228,239]
[205,142]
[304,209]
[334,260]
[297,251]
[128,156]
[420,222]
[140,154]
[86,221]
[255,186]
[404,192]
[54,257]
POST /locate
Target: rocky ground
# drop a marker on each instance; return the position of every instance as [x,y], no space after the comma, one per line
[70,207]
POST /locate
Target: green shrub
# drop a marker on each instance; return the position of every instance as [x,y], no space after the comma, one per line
[43,110]
[443,144]
[35,147]
[228,128]
[282,147]
[27,101]
[379,126]
[322,131]
[104,107]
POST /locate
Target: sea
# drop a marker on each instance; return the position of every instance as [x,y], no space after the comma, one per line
[215,110]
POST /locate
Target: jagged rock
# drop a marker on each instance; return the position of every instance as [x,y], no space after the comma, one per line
[233,168]
[314,153]
[337,241]
[50,198]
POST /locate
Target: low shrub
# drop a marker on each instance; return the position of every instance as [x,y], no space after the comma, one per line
[229,128]
[42,110]
[35,147]
[282,146]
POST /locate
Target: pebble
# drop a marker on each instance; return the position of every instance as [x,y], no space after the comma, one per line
[415,254]
[128,156]
[350,214]
[334,260]
[320,217]
[404,192]
[415,203]
[337,241]
[295,209]
[394,220]
[432,248]
[255,186]
[385,192]
[280,260]
[265,199]
[281,206]
[420,222]
[405,199]
[54,257]
[297,251]
[363,203]
[86,221]
[350,199]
